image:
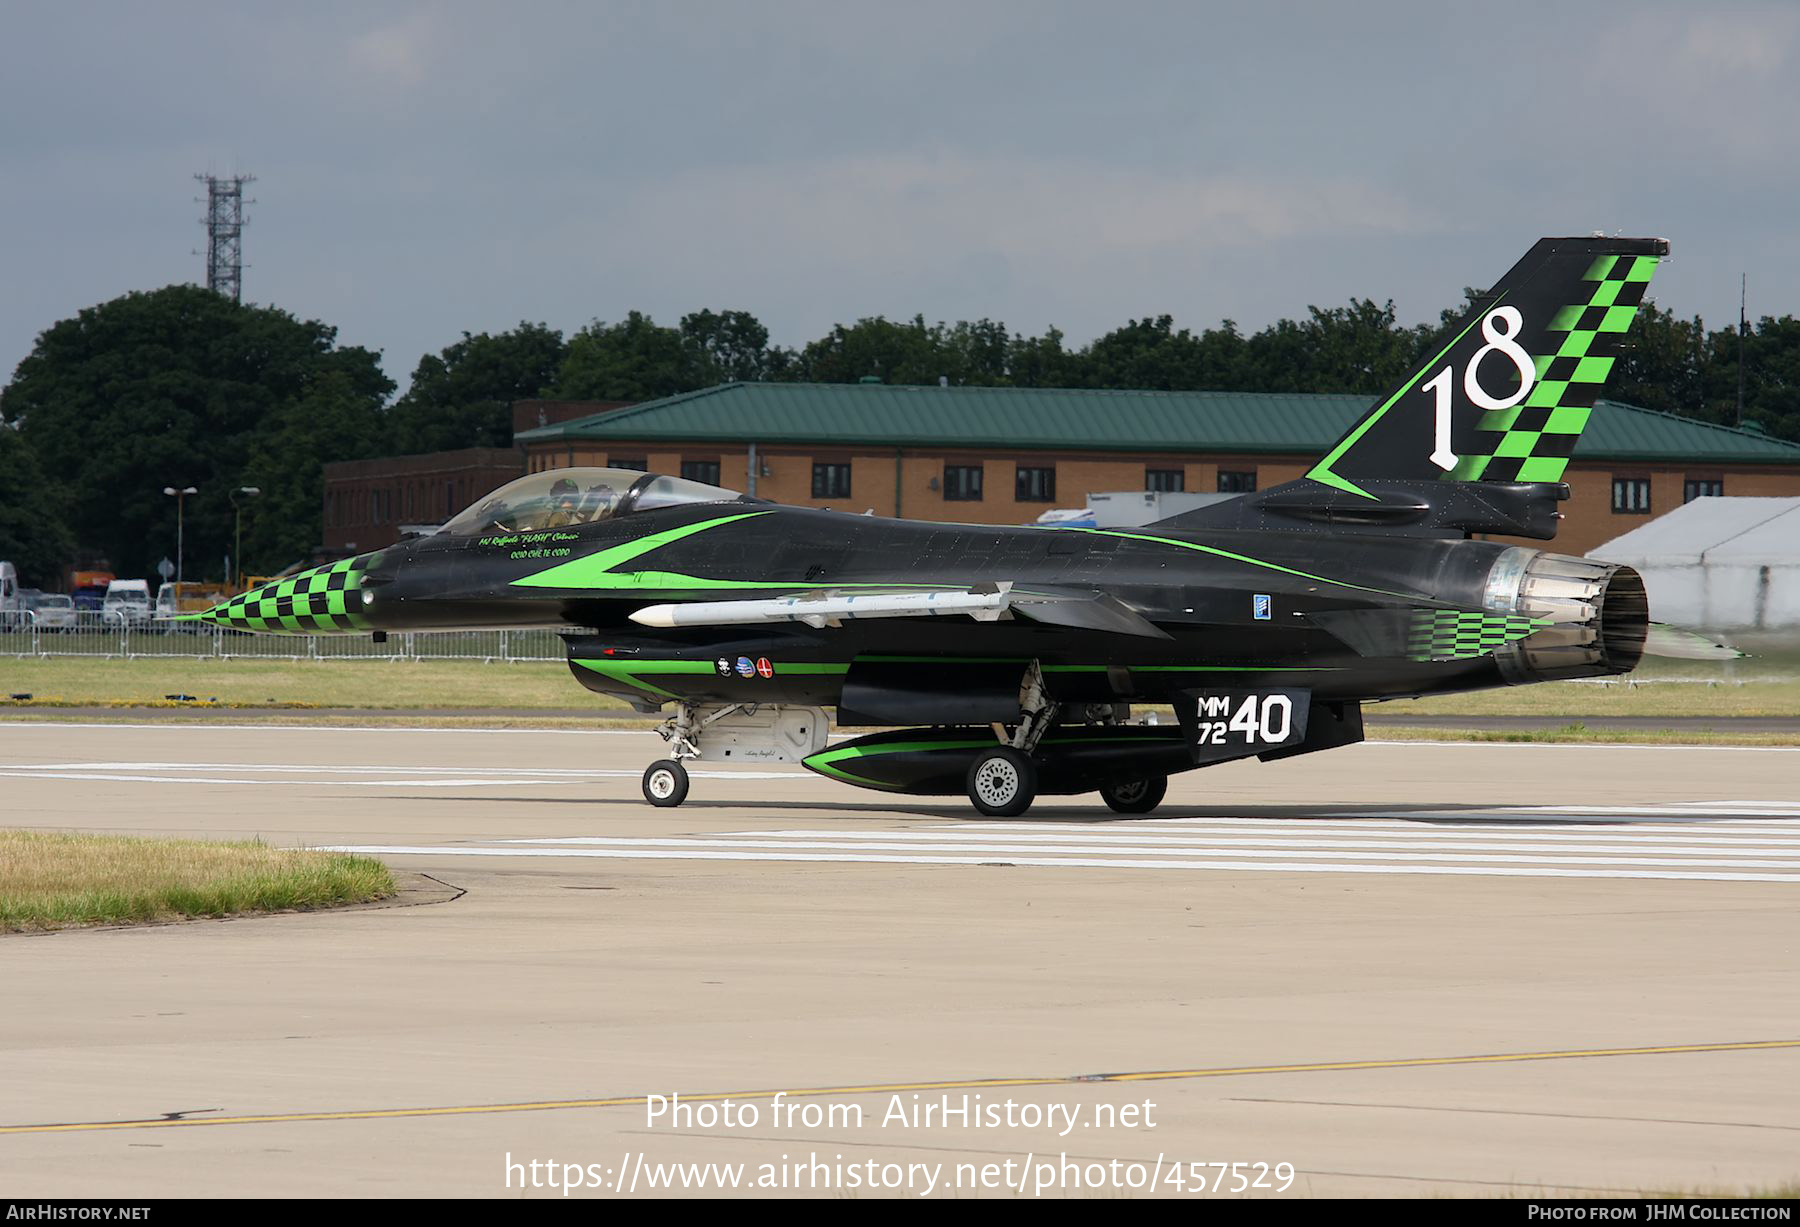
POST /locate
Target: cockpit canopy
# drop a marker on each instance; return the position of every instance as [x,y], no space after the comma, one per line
[563,498]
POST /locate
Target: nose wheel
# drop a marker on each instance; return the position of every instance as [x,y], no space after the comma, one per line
[665,783]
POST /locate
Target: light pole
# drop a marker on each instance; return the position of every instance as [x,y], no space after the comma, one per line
[237,558]
[180,504]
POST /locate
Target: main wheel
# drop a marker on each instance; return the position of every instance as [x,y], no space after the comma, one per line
[1002,783]
[1135,796]
[665,783]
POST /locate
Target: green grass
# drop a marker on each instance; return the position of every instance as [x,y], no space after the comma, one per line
[1766,695]
[1580,734]
[373,684]
[1768,686]
[54,880]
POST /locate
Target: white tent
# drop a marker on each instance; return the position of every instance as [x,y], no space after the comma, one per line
[1719,563]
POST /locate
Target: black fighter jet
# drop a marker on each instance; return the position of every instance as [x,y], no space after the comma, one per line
[1004,663]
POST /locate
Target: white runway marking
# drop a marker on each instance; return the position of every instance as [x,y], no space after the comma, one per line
[1727,852]
[314,774]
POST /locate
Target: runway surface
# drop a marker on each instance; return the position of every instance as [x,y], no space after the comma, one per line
[1399,968]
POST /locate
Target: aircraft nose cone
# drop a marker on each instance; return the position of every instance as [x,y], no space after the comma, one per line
[318,601]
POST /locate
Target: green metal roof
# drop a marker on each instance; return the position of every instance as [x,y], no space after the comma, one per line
[1086,419]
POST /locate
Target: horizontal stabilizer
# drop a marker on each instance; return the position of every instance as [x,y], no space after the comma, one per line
[1417,507]
[1674,643]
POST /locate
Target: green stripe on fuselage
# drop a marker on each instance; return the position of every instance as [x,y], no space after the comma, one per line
[1216,552]
[626,671]
[595,571]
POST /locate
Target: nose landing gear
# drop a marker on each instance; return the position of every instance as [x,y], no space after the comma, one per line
[665,783]
[730,733]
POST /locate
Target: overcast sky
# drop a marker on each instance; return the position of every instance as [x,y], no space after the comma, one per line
[423,169]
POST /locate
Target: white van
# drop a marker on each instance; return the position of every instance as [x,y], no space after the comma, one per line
[127,603]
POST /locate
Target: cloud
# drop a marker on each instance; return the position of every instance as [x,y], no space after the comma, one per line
[1718,82]
[894,210]
[398,55]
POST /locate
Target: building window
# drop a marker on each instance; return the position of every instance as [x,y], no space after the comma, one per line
[1165,481]
[1237,481]
[1631,495]
[705,471]
[1035,485]
[831,481]
[962,483]
[1702,487]
[637,464]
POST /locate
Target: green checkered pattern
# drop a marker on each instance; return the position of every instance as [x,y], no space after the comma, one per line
[1456,634]
[1534,440]
[324,599]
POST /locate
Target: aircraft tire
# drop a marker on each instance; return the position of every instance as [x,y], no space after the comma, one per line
[665,783]
[1138,795]
[1002,783]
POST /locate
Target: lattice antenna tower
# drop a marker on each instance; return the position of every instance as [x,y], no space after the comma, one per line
[224,222]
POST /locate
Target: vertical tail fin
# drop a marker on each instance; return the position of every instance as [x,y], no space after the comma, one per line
[1508,389]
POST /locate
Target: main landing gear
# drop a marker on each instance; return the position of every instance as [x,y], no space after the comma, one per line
[1137,795]
[1002,782]
[1001,772]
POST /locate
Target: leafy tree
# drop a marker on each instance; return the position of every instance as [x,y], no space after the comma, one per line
[1146,353]
[914,352]
[173,388]
[877,347]
[1663,365]
[462,396]
[1042,362]
[1771,376]
[635,359]
[331,417]
[730,345]
[978,353]
[34,536]
[1358,348]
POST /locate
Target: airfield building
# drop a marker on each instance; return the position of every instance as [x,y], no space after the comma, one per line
[1006,455]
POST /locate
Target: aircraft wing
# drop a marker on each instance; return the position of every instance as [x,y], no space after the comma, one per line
[1084,608]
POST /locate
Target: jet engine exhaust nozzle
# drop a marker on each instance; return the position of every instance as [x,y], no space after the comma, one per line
[1598,613]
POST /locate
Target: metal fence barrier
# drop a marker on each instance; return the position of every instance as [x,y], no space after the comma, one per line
[92,634]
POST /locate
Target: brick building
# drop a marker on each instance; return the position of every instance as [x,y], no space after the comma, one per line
[368,503]
[1005,455]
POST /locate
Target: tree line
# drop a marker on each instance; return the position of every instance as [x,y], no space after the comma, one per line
[182,387]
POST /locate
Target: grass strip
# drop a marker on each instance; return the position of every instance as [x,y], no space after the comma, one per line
[54,880]
[1580,734]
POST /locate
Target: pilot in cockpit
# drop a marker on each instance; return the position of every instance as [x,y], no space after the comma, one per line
[564,511]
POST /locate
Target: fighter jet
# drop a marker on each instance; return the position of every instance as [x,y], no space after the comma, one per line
[1005,663]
